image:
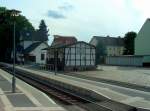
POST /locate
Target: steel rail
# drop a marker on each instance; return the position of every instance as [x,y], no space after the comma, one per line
[56,92]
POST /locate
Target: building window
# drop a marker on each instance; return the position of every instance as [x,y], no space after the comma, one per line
[42,56]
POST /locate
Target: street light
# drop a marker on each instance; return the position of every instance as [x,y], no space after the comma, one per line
[55,56]
[14,13]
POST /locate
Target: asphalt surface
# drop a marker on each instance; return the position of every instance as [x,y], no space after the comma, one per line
[123,90]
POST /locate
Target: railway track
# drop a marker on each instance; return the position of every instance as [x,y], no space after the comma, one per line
[64,97]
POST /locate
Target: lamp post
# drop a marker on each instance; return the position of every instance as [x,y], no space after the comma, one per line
[55,56]
[14,13]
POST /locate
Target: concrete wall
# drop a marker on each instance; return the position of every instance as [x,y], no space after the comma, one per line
[124,60]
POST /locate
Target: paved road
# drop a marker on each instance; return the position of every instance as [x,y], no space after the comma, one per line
[123,90]
[133,75]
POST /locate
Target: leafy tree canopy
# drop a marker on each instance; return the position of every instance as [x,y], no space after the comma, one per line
[100,52]
[129,43]
[43,31]
[6,32]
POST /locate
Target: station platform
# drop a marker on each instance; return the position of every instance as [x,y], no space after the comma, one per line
[131,97]
[26,98]
[124,74]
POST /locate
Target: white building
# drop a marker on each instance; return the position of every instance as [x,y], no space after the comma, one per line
[32,44]
[76,56]
[35,54]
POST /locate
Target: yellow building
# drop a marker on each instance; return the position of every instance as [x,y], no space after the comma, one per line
[109,46]
[114,50]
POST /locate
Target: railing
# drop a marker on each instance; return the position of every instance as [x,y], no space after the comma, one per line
[47,67]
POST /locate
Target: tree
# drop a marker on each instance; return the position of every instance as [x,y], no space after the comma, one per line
[100,53]
[129,43]
[6,32]
[43,31]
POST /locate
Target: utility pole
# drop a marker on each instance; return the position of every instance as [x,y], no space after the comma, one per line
[55,56]
[14,61]
[14,13]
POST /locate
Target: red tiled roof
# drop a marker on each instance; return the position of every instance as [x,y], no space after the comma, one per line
[65,40]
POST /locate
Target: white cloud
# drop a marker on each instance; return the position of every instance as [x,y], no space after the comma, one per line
[88,17]
[99,17]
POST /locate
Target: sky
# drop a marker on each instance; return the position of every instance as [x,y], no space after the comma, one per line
[84,18]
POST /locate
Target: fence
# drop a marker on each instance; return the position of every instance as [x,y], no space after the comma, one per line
[49,67]
[124,60]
